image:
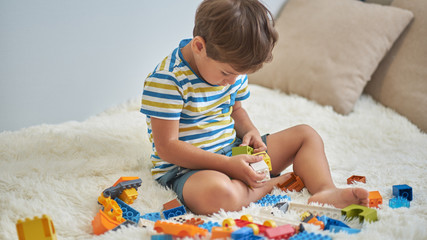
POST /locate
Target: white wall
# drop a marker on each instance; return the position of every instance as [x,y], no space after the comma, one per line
[67,60]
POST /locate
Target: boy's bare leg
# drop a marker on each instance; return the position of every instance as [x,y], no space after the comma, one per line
[208,191]
[303,147]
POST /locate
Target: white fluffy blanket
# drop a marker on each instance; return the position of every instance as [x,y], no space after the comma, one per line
[60,170]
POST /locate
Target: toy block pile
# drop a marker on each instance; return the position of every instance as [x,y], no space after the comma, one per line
[174,222]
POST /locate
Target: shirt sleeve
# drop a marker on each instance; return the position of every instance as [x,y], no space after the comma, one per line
[243,92]
[162,97]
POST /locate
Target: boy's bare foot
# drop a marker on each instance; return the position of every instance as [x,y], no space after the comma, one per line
[341,197]
[281,179]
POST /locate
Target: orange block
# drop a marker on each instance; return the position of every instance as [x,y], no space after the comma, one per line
[375,199]
[221,232]
[292,183]
[102,223]
[180,230]
[124,179]
[171,204]
[356,178]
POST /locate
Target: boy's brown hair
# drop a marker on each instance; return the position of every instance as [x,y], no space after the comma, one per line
[238,32]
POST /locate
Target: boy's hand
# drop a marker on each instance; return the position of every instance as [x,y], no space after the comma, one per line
[240,169]
[254,140]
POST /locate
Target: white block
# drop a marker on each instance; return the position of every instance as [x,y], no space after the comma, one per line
[261,167]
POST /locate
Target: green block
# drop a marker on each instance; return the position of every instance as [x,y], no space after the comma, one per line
[364,213]
[242,150]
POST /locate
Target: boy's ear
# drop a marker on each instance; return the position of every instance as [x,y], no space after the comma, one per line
[198,45]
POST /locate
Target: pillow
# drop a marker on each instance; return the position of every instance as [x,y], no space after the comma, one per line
[328,49]
[400,82]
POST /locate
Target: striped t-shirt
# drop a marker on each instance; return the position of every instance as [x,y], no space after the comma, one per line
[174,92]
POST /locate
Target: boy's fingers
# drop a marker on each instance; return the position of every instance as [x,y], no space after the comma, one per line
[245,140]
[260,149]
[257,183]
[254,159]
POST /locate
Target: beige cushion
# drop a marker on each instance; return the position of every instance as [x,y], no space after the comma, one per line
[400,81]
[328,49]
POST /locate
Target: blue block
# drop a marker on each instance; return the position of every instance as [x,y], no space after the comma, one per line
[152,216]
[242,233]
[161,237]
[348,230]
[331,222]
[209,225]
[399,202]
[270,200]
[402,191]
[178,211]
[309,236]
[128,212]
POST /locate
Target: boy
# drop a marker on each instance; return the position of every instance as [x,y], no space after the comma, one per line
[194,116]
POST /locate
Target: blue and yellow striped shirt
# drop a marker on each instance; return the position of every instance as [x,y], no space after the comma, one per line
[174,92]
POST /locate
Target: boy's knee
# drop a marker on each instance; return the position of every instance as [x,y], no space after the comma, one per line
[308,131]
[216,192]
[225,197]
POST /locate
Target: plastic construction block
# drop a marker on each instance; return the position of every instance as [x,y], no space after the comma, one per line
[375,199]
[309,236]
[266,159]
[265,216]
[334,225]
[171,204]
[329,222]
[280,232]
[103,223]
[242,150]
[399,202]
[402,191]
[209,225]
[247,221]
[194,221]
[179,230]
[364,213]
[125,179]
[261,168]
[271,200]
[111,208]
[221,232]
[125,224]
[36,229]
[292,183]
[282,206]
[161,237]
[348,230]
[315,210]
[356,178]
[155,216]
[242,233]
[311,219]
[245,233]
[129,195]
[122,184]
[178,211]
[128,212]
[145,223]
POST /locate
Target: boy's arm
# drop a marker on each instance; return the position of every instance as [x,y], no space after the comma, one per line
[245,129]
[171,149]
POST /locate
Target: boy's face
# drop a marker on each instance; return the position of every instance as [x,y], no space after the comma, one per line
[217,73]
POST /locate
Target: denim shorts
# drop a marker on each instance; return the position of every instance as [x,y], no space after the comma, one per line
[176,178]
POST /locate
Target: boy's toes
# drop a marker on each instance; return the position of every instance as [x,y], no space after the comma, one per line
[361,195]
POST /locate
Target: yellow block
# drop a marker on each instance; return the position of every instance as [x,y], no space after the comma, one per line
[36,229]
